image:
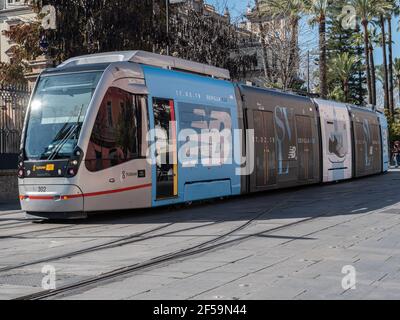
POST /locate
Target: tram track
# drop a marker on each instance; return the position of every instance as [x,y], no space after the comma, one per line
[162,259]
[82,251]
[68,227]
[11,225]
[52,230]
[11,212]
[180,254]
[205,246]
[133,238]
[199,248]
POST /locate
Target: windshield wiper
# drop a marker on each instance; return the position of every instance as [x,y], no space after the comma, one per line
[62,143]
[66,138]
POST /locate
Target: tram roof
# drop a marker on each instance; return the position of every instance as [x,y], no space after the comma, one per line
[147,58]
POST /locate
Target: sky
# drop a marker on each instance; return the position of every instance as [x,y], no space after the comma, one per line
[238,8]
[309,38]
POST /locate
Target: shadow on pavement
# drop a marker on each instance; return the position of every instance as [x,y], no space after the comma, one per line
[350,197]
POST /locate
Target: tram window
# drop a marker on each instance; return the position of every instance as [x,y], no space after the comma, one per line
[118,130]
[109,113]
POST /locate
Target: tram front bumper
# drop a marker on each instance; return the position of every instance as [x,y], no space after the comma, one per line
[52,201]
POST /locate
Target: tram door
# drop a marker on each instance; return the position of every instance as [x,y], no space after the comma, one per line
[166,150]
[264,133]
[305,148]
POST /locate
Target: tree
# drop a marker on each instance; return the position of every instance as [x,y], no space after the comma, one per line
[317,9]
[12,74]
[367,10]
[394,125]
[385,62]
[396,73]
[290,10]
[374,39]
[25,36]
[91,26]
[384,14]
[340,40]
[263,33]
[210,40]
[342,67]
[395,10]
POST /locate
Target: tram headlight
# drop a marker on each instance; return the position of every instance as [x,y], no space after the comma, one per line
[72,169]
[21,165]
[21,173]
[74,162]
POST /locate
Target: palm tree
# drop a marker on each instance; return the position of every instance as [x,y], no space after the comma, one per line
[375,39]
[380,74]
[382,22]
[395,10]
[358,39]
[367,10]
[317,9]
[342,67]
[396,73]
[263,42]
[290,9]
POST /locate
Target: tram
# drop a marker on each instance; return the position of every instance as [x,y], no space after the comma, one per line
[134,129]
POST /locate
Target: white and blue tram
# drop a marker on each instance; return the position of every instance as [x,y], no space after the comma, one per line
[90,139]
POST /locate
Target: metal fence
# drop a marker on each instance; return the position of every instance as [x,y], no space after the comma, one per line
[13,103]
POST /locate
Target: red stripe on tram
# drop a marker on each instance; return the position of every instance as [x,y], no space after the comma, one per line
[94,194]
[91,194]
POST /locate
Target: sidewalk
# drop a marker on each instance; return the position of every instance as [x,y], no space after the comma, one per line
[9,206]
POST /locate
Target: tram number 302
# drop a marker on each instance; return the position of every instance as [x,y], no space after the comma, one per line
[221,309]
[42,189]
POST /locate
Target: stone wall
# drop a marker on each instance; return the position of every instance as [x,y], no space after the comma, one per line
[8,186]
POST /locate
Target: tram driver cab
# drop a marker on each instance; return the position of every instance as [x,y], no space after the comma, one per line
[85,137]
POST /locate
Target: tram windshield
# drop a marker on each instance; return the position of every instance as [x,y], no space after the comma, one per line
[56,114]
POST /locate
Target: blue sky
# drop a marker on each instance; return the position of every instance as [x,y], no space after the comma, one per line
[238,7]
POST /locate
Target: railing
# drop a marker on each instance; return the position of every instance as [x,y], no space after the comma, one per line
[13,103]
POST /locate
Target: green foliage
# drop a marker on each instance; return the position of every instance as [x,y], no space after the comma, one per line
[341,68]
[91,26]
[394,125]
[25,36]
[396,73]
[337,94]
[12,73]
[339,41]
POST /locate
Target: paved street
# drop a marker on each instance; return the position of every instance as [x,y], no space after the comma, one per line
[289,244]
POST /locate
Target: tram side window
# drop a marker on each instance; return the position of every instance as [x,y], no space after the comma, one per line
[118,130]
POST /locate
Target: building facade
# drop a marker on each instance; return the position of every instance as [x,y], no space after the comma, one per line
[12,12]
[275,34]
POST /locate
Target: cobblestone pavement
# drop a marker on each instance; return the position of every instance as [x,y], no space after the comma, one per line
[290,244]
